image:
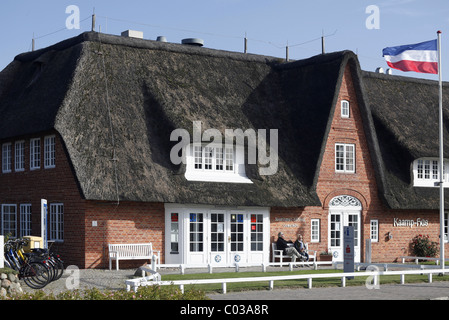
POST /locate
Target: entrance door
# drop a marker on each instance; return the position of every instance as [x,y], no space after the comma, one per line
[344,211]
[201,235]
[227,238]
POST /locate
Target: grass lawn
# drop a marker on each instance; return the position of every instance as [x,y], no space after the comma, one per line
[264,285]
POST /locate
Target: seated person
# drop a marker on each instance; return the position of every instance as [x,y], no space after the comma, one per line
[282,244]
[301,248]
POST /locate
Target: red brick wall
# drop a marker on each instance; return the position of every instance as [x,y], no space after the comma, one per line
[83,245]
[57,185]
[126,222]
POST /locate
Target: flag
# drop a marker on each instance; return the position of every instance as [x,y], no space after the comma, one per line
[421,57]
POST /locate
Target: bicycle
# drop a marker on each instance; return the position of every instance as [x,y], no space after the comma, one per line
[37,268]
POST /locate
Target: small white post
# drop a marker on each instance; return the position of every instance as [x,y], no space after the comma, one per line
[271,284]
[181,287]
[224,287]
[153,263]
[309,283]
[181,266]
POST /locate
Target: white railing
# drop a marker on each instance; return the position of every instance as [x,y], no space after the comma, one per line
[135,283]
[237,266]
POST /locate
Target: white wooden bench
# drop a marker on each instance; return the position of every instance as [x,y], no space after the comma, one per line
[131,251]
[280,253]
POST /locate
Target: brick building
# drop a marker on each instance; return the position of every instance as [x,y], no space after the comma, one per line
[93,125]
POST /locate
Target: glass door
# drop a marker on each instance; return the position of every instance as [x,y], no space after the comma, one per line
[196,247]
[218,245]
[338,219]
[236,238]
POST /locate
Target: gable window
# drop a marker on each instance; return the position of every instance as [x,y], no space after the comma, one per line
[344,158]
[215,163]
[426,172]
[35,154]
[19,156]
[6,158]
[49,152]
[345,109]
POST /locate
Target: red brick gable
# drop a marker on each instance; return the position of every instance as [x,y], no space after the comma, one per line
[362,183]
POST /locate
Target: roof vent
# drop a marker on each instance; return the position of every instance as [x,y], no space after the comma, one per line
[193,42]
[161,39]
[389,71]
[132,34]
[380,70]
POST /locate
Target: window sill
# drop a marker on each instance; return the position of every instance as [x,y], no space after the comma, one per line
[225,178]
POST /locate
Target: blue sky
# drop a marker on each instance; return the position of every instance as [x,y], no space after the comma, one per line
[222,24]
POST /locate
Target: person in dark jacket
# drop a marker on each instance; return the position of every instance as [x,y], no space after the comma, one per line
[287,247]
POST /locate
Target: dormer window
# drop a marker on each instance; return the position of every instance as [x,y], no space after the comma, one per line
[426,172]
[215,163]
[345,109]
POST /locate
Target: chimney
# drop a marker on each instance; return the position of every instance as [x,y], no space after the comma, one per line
[132,34]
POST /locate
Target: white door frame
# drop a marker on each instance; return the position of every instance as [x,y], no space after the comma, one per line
[232,253]
[344,210]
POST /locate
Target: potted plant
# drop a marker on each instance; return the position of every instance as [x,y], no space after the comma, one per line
[326,255]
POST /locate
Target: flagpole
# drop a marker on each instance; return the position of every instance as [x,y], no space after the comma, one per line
[440,108]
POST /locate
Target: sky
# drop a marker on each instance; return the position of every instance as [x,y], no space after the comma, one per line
[364,27]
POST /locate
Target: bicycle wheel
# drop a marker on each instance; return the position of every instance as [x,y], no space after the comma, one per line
[59,266]
[35,274]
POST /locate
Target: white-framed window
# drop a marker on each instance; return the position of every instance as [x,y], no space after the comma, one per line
[19,156]
[215,163]
[374,230]
[426,172]
[6,157]
[345,109]
[9,220]
[344,158]
[315,230]
[256,232]
[174,233]
[196,231]
[49,152]
[35,154]
[25,220]
[56,222]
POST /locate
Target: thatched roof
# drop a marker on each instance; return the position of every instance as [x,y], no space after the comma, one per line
[151,88]
[114,101]
[405,114]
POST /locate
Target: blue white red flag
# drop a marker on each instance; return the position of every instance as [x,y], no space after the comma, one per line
[421,57]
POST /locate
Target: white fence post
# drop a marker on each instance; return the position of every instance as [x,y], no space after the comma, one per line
[2,250]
